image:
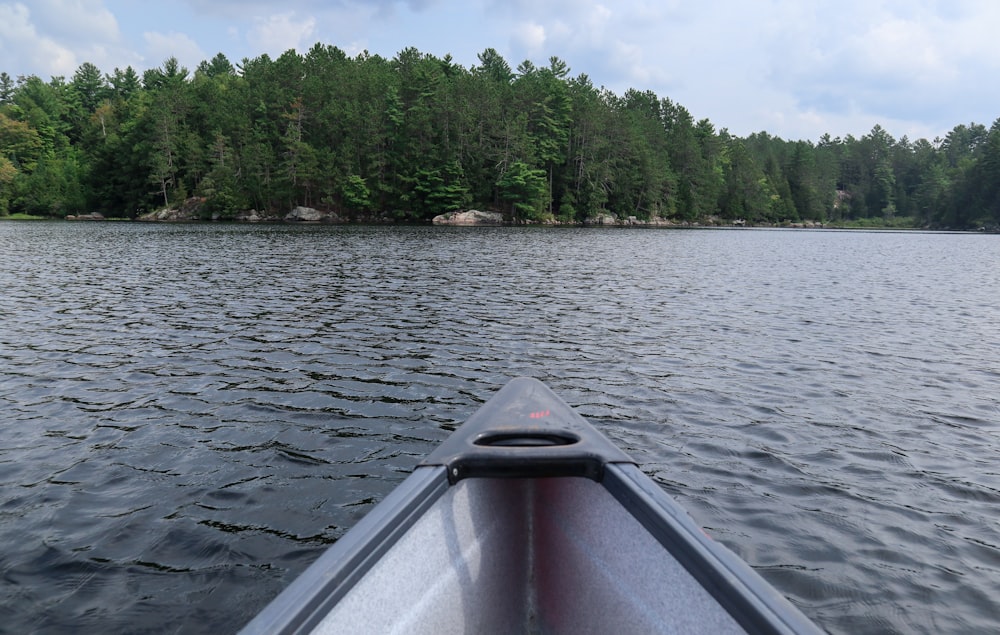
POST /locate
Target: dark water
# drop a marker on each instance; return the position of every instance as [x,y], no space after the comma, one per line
[189,415]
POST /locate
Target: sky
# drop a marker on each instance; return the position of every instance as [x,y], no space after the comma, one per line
[796,69]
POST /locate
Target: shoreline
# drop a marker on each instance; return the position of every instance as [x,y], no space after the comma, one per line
[554,225]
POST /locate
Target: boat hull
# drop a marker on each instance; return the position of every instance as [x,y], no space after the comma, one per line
[513,550]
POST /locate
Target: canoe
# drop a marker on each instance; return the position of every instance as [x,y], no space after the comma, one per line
[528,520]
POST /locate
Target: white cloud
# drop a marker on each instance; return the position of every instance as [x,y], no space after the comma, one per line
[596,22]
[76,20]
[53,37]
[161,46]
[530,36]
[902,48]
[280,32]
[796,69]
[28,50]
[630,60]
[884,62]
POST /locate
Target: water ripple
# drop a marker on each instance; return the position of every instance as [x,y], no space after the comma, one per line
[191,414]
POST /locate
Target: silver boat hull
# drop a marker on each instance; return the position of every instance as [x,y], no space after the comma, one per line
[555,541]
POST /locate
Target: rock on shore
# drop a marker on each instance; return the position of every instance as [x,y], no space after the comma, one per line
[303,214]
[470,217]
[190,210]
[253,216]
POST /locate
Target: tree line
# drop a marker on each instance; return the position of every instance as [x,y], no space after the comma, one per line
[417,135]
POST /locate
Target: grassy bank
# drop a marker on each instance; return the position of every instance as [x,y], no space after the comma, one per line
[23,217]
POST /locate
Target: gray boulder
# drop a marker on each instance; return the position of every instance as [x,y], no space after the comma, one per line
[470,217]
[306,215]
[601,219]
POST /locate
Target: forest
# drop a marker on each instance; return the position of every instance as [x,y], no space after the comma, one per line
[408,138]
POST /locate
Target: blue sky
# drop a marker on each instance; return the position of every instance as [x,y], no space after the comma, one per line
[795,68]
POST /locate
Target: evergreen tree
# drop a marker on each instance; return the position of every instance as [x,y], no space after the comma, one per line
[419,135]
[6,88]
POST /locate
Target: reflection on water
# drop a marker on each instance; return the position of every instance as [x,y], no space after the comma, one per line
[191,414]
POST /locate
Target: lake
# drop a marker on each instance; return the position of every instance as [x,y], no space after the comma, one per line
[191,414]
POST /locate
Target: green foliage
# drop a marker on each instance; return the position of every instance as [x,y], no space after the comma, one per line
[523,188]
[6,88]
[441,190]
[419,135]
[896,222]
[124,83]
[356,193]
[23,216]
[20,143]
[7,174]
[748,194]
